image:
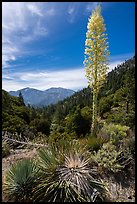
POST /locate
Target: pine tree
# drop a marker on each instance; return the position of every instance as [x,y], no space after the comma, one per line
[21,99]
[96,58]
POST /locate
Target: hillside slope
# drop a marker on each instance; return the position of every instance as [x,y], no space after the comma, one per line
[116,104]
[116,98]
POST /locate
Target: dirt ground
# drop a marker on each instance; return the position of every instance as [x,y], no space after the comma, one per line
[15,156]
[121,191]
[122,188]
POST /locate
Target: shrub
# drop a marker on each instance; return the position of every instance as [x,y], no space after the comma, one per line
[78,122]
[131,145]
[113,132]
[112,159]
[94,143]
[117,117]
[66,175]
[105,104]
[57,136]
[26,131]
[5,149]
[130,119]
[40,138]
[128,143]
[20,180]
[40,125]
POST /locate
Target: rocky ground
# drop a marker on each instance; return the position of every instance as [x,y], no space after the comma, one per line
[121,187]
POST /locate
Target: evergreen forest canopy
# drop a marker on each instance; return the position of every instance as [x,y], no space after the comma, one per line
[72,117]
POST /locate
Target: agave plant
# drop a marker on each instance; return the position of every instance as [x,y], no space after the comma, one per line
[20,180]
[67,176]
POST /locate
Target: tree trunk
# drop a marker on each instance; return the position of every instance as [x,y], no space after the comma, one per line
[127,106]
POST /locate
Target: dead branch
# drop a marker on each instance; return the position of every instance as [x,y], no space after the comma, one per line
[26,143]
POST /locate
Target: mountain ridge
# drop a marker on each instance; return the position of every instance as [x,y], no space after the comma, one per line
[43,98]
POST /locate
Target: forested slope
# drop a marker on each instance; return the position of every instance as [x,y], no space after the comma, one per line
[74,114]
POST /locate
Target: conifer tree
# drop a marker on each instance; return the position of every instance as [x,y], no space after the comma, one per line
[96,58]
[21,99]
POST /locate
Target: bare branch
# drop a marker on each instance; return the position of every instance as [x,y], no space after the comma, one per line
[21,142]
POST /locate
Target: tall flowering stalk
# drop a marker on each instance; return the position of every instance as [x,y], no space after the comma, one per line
[96,58]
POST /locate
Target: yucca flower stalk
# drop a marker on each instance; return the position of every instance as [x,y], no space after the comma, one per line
[67,177]
[20,180]
[96,58]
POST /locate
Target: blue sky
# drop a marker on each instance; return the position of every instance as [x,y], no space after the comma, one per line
[43,42]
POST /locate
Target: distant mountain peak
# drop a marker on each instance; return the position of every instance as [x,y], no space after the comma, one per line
[43,98]
[26,89]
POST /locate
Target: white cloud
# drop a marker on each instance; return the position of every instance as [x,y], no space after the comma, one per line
[34,9]
[71,10]
[74,10]
[40,30]
[22,22]
[112,65]
[14,84]
[71,78]
[118,59]
[91,6]
[71,13]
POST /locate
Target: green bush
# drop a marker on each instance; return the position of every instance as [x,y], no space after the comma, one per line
[112,159]
[130,119]
[13,124]
[94,143]
[40,125]
[78,122]
[40,138]
[5,149]
[113,132]
[131,145]
[57,136]
[117,117]
[128,143]
[105,104]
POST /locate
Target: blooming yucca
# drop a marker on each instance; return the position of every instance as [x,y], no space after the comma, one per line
[96,59]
